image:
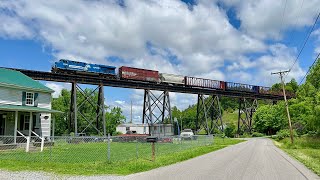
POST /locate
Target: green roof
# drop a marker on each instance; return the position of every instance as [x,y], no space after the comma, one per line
[15,79]
[7,107]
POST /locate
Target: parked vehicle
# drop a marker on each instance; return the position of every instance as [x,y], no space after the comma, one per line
[138,74]
[187,134]
[172,79]
[82,67]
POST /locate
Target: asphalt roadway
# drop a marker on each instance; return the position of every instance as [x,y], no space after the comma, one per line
[256,159]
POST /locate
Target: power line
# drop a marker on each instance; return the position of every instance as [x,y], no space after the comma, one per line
[305,42]
[310,68]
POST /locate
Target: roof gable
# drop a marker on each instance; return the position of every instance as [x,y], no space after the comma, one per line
[15,79]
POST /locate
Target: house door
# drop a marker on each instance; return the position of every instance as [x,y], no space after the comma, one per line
[2,124]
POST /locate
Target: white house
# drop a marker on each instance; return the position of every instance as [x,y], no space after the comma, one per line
[156,129]
[25,106]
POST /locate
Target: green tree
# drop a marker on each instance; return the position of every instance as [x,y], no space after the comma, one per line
[113,119]
[269,119]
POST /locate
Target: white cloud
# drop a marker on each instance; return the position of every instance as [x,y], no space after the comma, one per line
[280,57]
[11,27]
[263,18]
[57,87]
[94,30]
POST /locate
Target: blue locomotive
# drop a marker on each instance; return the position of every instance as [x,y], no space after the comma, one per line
[82,67]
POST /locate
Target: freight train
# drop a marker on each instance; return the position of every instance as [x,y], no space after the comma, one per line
[151,76]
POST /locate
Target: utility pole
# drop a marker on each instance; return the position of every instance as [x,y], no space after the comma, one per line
[281,73]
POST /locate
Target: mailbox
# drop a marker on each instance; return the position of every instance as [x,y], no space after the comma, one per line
[152,139]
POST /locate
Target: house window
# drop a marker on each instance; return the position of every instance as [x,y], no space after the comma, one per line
[29,99]
[127,128]
[26,122]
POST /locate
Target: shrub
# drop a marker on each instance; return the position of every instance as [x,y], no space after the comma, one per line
[230,130]
[257,134]
[117,133]
[246,135]
[283,133]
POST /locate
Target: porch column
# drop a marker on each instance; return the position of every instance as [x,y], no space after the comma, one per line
[15,126]
[53,124]
[30,124]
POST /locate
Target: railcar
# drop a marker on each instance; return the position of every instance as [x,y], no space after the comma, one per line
[172,79]
[130,73]
[204,83]
[264,90]
[241,87]
[82,67]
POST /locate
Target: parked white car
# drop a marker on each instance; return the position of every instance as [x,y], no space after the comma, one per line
[187,134]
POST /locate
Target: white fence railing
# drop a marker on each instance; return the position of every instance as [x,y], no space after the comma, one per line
[42,140]
[28,140]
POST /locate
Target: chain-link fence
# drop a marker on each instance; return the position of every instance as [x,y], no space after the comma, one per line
[62,149]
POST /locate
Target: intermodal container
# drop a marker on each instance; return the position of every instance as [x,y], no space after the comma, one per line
[205,83]
[171,78]
[240,87]
[138,74]
[264,90]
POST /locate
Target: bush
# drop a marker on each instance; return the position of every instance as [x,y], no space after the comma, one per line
[313,134]
[284,133]
[117,133]
[257,134]
[220,135]
[230,130]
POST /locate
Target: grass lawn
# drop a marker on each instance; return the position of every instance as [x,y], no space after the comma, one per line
[91,158]
[305,150]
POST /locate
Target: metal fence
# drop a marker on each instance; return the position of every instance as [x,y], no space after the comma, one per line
[68,149]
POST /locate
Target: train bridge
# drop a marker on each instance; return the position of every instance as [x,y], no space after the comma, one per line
[208,109]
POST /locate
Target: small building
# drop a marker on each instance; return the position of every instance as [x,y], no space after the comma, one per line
[25,106]
[155,129]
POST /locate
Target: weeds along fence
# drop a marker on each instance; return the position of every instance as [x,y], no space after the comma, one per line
[95,149]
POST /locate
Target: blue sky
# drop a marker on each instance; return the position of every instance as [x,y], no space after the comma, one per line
[241,41]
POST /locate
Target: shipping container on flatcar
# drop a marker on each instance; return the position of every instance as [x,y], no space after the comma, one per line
[240,87]
[265,90]
[171,78]
[205,83]
[138,74]
[268,90]
[82,67]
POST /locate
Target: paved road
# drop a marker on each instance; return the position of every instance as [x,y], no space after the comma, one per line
[254,159]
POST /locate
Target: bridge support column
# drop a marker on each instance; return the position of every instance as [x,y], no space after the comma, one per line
[246,109]
[209,116]
[77,110]
[156,112]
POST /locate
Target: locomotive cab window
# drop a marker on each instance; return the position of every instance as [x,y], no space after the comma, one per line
[29,99]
